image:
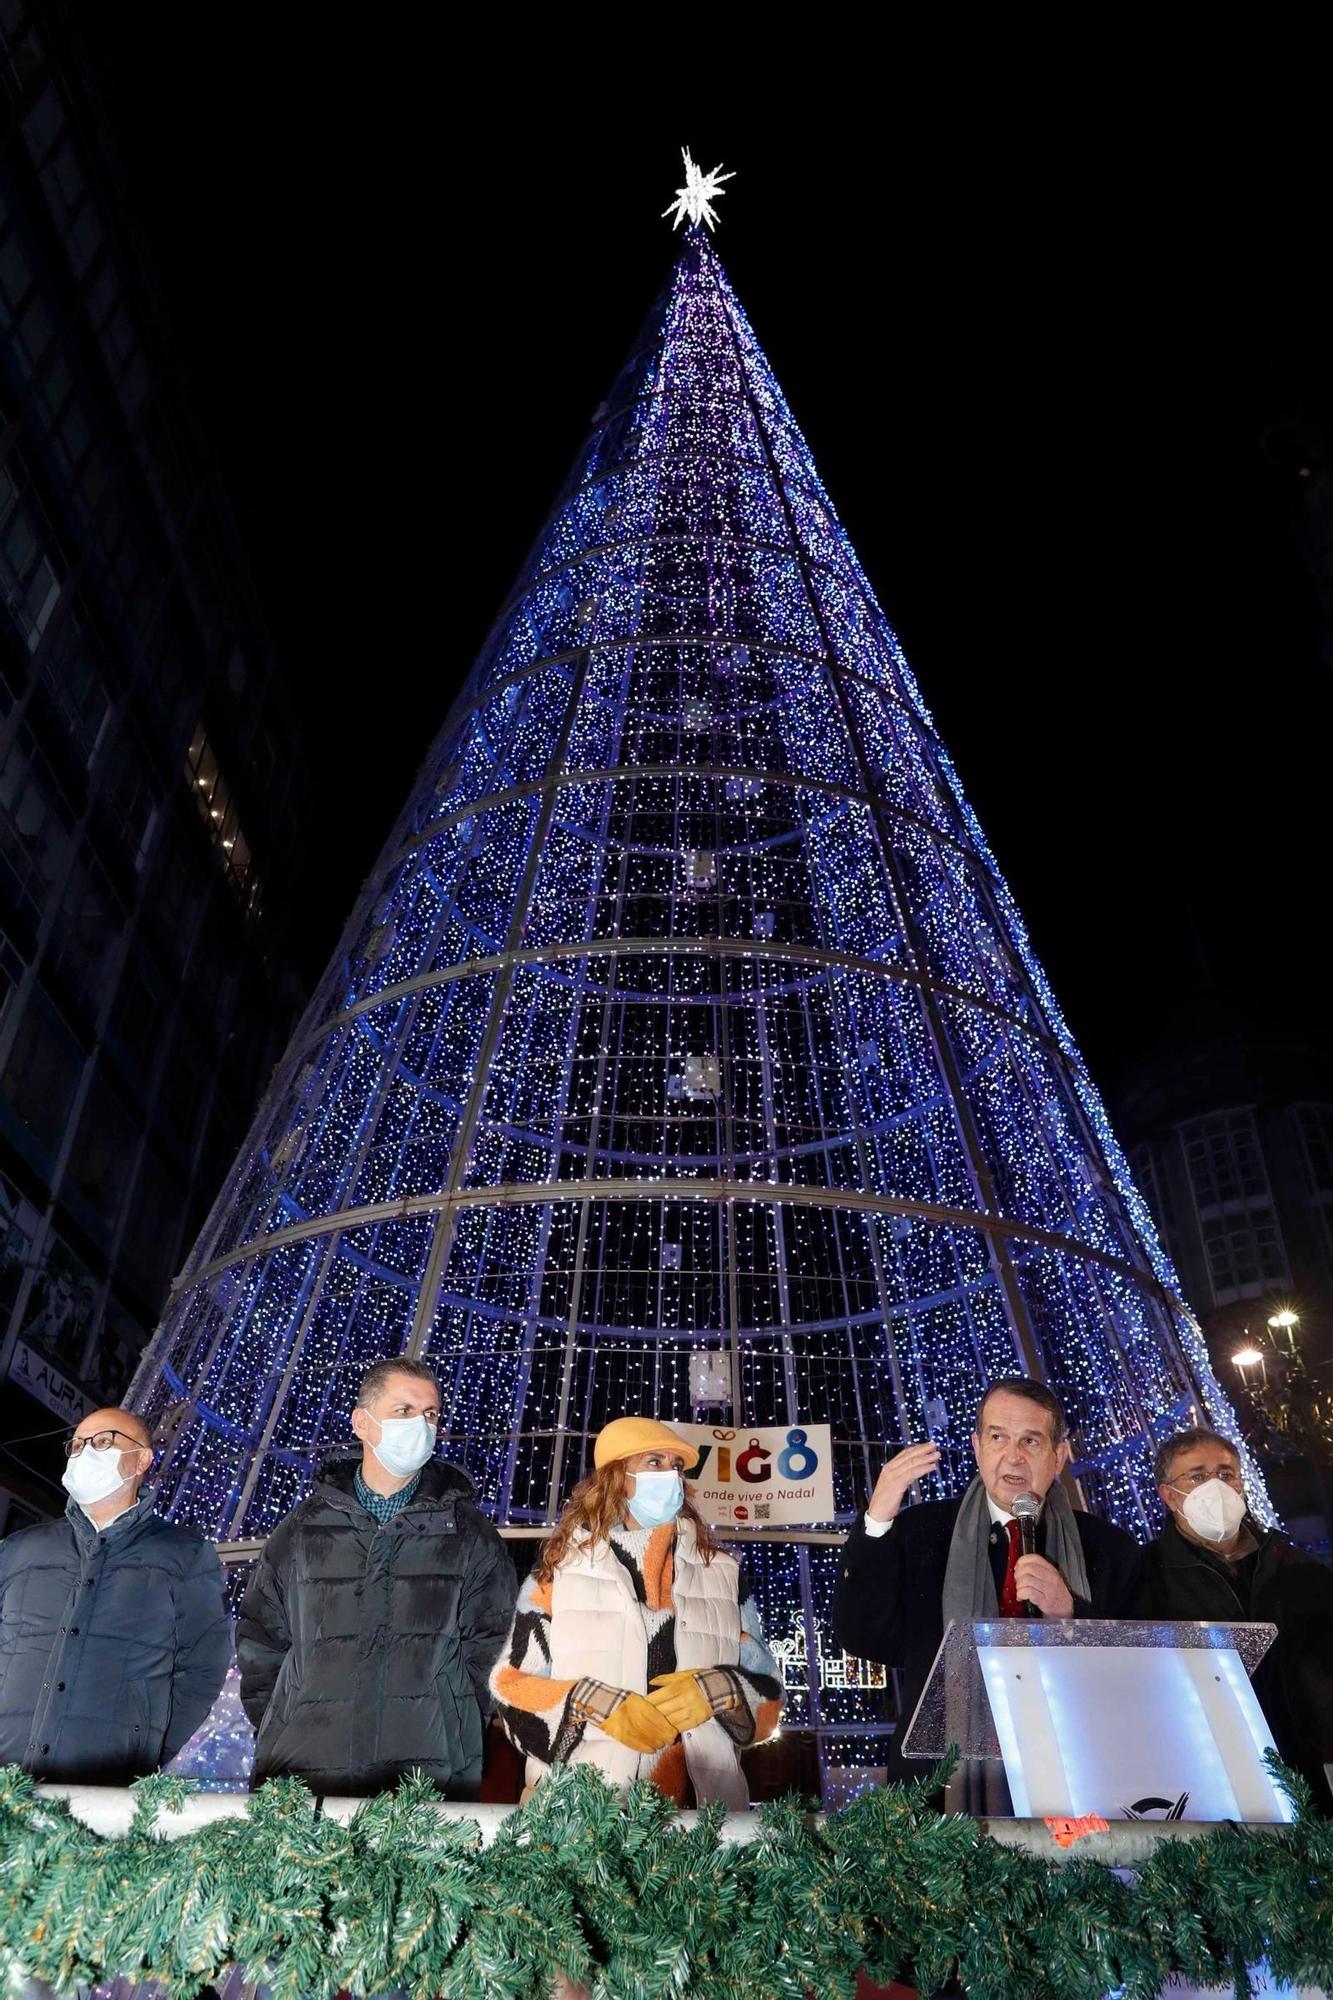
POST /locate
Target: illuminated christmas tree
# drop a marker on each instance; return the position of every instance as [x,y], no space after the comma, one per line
[686,1049]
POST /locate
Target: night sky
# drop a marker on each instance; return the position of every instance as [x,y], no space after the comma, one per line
[1036,358]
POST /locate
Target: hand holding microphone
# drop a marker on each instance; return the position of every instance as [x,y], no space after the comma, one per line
[1039,1584]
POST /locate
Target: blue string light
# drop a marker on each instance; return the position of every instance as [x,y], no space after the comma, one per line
[686,1013]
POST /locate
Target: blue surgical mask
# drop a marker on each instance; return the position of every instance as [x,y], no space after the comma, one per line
[405,1444]
[657,1498]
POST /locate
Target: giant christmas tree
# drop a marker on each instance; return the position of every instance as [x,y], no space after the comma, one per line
[685,1014]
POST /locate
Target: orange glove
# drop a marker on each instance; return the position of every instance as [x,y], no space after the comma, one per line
[681,1700]
[640,1726]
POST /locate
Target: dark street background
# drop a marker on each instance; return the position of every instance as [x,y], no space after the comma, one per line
[1060,376]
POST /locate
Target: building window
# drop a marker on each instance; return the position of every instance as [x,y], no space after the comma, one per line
[217,809]
[15,273]
[42,1075]
[1144,1169]
[1237,1220]
[44,123]
[1244,1255]
[136,1024]
[153,1227]
[1316,1123]
[75,690]
[28,583]
[101,1159]
[35,827]
[11,972]
[87,934]
[1222,1153]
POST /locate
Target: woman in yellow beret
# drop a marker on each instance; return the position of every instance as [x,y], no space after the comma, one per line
[636,1643]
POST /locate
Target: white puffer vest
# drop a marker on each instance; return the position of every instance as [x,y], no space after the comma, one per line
[597,1629]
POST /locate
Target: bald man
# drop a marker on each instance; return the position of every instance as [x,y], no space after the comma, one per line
[113,1632]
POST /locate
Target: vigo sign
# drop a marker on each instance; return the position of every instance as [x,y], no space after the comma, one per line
[771,1477]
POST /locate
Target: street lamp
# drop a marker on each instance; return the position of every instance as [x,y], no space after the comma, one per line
[1246,1358]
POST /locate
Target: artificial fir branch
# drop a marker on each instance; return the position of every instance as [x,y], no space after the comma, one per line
[609,1889]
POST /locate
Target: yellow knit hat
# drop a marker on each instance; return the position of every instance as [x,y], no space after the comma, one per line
[627,1435]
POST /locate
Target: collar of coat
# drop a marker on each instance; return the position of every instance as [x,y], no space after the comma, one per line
[581,1543]
[87,1533]
[1178,1550]
[440,1485]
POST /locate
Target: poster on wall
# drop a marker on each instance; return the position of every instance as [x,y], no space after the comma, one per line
[775,1476]
[61,1307]
[19,1223]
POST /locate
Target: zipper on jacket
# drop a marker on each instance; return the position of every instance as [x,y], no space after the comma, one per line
[1194,1563]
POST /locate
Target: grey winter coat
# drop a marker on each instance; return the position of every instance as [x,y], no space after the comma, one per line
[112,1646]
[364,1650]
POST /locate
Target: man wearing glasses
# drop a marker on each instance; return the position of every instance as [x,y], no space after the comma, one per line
[1213,1561]
[113,1633]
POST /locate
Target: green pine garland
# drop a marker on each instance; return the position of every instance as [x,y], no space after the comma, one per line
[608,1888]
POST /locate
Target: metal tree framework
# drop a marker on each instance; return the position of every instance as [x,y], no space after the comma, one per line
[685,1015]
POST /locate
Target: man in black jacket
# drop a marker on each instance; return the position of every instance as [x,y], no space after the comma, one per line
[1214,1561]
[907,1571]
[114,1638]
[376,1611]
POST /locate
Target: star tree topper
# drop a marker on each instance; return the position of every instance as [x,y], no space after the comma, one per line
[696,198]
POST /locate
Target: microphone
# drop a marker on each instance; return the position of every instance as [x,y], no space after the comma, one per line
[1026,1511]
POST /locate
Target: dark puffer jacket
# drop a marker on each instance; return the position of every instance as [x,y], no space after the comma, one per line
[364,1650]
[1279,1586]
[112,1646]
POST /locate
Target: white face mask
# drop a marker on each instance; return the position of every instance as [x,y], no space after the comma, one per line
[405,1444]
[1214,1510]
[94,1475]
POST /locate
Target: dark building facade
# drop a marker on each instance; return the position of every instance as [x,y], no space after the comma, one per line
[1230,1135]
[152,811]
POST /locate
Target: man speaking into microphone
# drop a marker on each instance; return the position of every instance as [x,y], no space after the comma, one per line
[907,1571]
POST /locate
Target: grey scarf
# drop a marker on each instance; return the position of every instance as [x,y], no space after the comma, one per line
[969,1582]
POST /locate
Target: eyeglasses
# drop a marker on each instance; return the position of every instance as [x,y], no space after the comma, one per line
[102,1441]
[1200,1477]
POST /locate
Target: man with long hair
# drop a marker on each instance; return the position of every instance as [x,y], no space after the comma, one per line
[636,1644]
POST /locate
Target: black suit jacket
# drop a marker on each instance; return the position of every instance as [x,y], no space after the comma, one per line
[888,1601]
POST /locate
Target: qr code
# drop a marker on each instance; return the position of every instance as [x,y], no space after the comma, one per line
[762,1510]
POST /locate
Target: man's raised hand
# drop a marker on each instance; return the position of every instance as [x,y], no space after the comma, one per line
[902,1471]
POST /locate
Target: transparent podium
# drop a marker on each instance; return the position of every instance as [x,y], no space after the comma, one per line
[1133,1721]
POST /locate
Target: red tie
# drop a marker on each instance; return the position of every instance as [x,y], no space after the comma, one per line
[1009,1604]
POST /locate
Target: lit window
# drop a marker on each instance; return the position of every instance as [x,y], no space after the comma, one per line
[218,812]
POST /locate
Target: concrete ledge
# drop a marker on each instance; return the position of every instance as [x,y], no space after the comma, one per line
[108,1810]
